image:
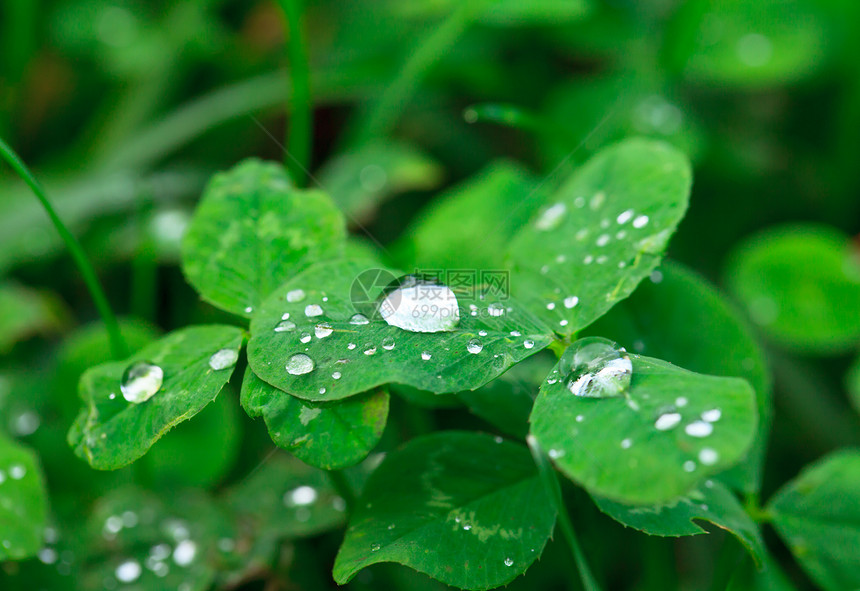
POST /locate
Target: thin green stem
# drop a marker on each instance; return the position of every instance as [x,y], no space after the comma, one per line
[299,135]
[343,487]
[434,46]
[553,488]
[118,347]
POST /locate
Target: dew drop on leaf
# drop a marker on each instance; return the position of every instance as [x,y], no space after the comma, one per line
[285,326]
[128,572]
[140,381]
[223,359]
[509,561]
[358,319]
[667,420]
[418,304]
[708,456]
[323,329]
[474,346]
[313,310]
[388,343]
[528,343]
[699,429]
[596,368]
[375,547]
[295,295]
[299,364]
[426,355]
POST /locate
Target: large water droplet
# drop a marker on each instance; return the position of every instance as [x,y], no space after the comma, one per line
[223,359]
[596,368]
[140,381]
[474,346]
[299,364]
[426,355]
[420,304]
[323,329]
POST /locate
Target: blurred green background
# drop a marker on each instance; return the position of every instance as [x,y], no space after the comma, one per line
[124,109]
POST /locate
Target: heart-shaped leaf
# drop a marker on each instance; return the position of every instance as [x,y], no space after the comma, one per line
[671,429]
[252,231]
[23,502]
[464,508]
[111,432]
[655,321]
[328,435]
[818,517]
[332,357]
[801,284]
[601,233]
[711,501]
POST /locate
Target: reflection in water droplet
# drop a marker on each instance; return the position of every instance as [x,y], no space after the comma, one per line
[369,349]
[336,375]
[306,337]
[426,355]
[359,319]
[300,364]
[528,343]
[474,346]
[140,381]
[295,295]
[509,561]
[323,329]
[223,359]
[420,304]
[388,343]
[596,368]
[285,326]
[375,547]
[667,420]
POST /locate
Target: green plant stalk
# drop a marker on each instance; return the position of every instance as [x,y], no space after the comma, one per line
[118,346]
[299,136]
[384,114]
[553,487]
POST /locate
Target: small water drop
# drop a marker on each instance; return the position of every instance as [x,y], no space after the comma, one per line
[699,429]
[359,319]
[351,346]
[667,420]
[322,390]
[375,547]
[626,443]
[482,333]
[712,416]
[223,358]
[550,306]
[140,381]
[708,457]
[336,375]
[596,368]
[17,472]
[184,553]
[555,453]
[680,402]
[323,329]
[369,349]
[570,301]
[602,240]
[313,310]
[128,572]
[300,496]
[516,333]
[388,343]
[474,346]
[551,217]
[420,304]
[285,326]
[640,222]
[624,216]
[306,337]
[295,295]
[426,355]
[689,466]
[300,364]
[495,309]
[249,309]
[509,561]
[528,343]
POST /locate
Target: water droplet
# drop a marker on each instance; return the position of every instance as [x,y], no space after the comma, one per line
[482,333]
[474,346]
[699,429]
[596,368]
[467,527]
[285,326]
[336,375]
[495,309]
[388,343]
[312,310]
[420,304]
[555,453]
[626,443]
[708,457]
[128,572]
[184,553]
[140,381]
[285,316]
[516,333]
[597,201]
[571,301]
[17,471]
[426,355]
[509,561]
[667,420]
[323,329]
[300,364]
[223,359]
[640,222]
[624,216]
[295,295]
[712,416]
[602,240]
[351,346]
[680,402]
[528,343]
[249,309]
[369,349]
[689,466]
[588,259]
[551,217]
[26,423]
[300,496]
[359,319]
[322,390]
[306,337]
[550,306]
[375,547]
[48,555]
